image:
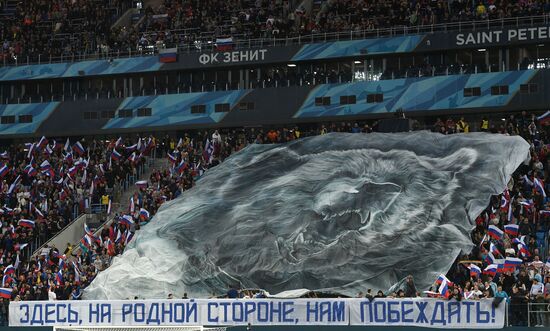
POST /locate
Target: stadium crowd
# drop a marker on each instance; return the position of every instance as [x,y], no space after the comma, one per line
[491,270]
[72,29]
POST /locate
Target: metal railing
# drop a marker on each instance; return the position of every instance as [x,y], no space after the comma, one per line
[198,41]
[538,313]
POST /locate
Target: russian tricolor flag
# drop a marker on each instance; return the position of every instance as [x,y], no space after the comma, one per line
[9,270]
[143,214]
[181,167]
[115,155]
[494,250]
[523,250]
[168,55]
[42,143]
[26,223]
[141,184]
[224,44]
[4,169]
[539,186]
[512,262]
[495,233]
[78,148]
[171,158]
[475,271]
[512,229]
[127,220]
[444,289]
[490,259]
[505,200]
[442,279]
[59,277]
[5,292]
[491,270]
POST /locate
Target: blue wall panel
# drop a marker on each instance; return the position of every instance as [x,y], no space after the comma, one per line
[175,109]
[39,112]
[98,67]
[415,94]
[358,47]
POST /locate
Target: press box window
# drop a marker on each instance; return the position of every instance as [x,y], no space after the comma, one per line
[7,119]
[322,101]
[472,91]
[198,109]
[347,100]
[142,112]
[25,118]
[499,90]
[222,107]
[375,98]
[124,113]
[108,114]
[528,88]
[90,115]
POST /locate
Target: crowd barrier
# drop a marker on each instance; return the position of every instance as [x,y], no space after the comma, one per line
[421,312]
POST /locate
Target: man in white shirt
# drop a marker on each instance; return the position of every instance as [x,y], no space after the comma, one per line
[51,294]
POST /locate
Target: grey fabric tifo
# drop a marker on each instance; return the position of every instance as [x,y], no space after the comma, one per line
[337,212]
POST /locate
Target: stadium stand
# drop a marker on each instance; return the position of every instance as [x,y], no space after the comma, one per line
[63,272]
[169,111]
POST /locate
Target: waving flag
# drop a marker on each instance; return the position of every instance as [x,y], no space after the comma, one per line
[132,205]
[61,264]
[118,142]
[4,155]
[143,214]
[42,143]
[512,262]
[495,232]
[126,220]
[141,184]
[490,258]
[59,278]
[527,204]
[523,250]
[491,270]
[494,250]
[505,200]
[442,279]
[9,270]
[6,280]
[76,272]
[129,235]
[444,289]
[512,229]
[539,186]
[63,194]
[30,171]
[14,184]
[181,167]
[109,207]
[5,293]
[26,223]
[172,159]
[475,271]
[72,171]
[78,148]
[87,230]
[4,169]
[520,240]
[208,151]
[115,155]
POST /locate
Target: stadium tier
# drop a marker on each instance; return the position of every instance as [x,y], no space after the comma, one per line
[214,164]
